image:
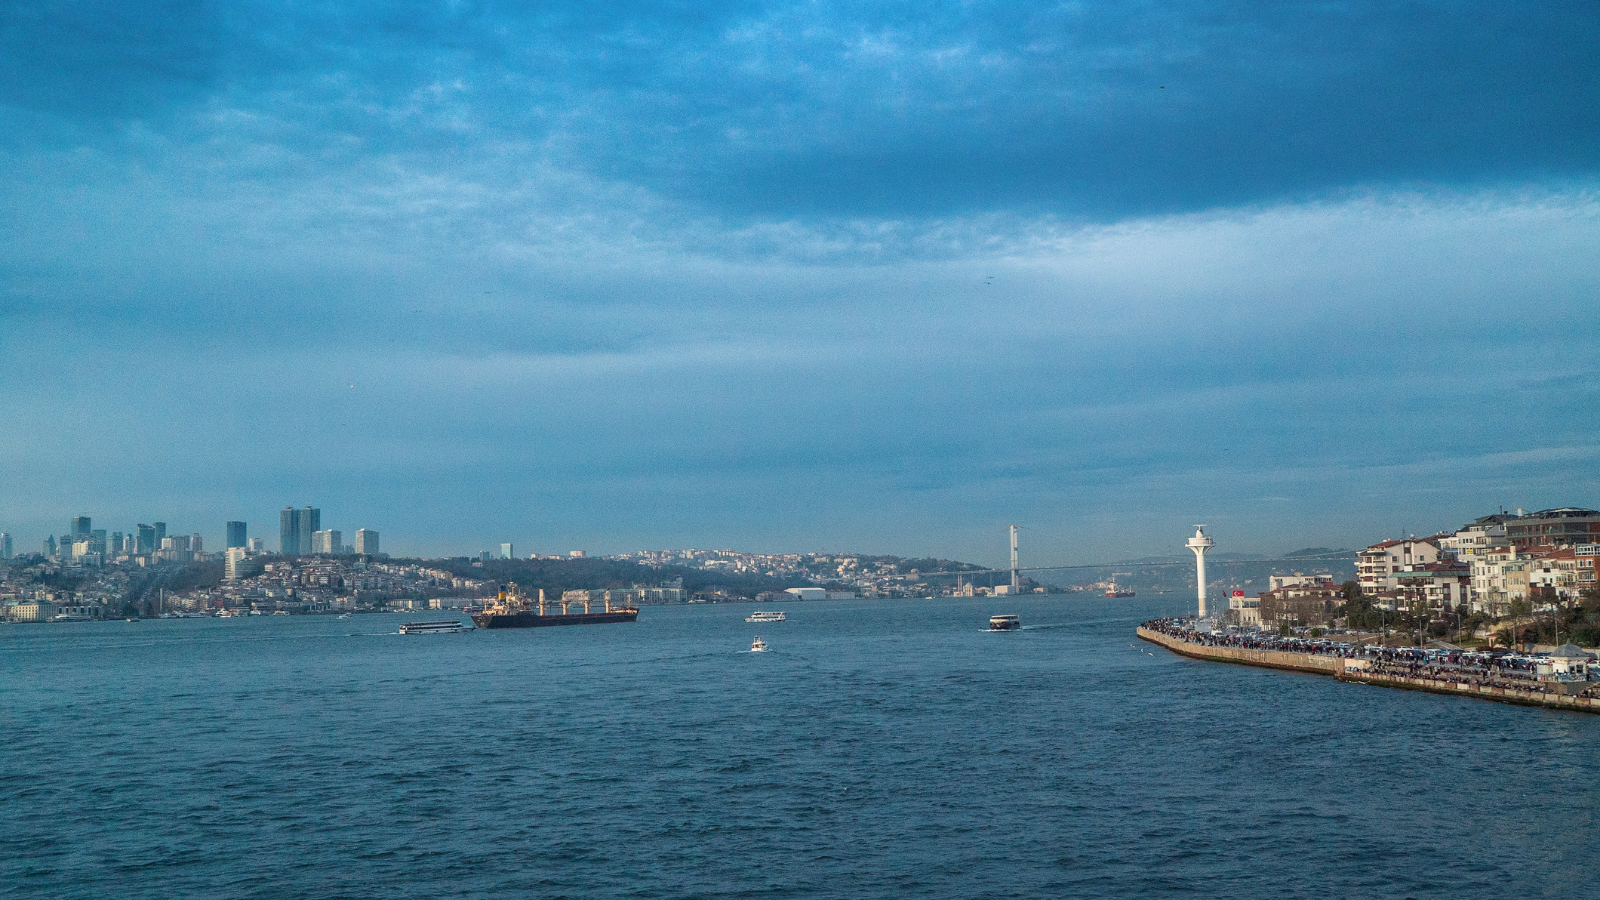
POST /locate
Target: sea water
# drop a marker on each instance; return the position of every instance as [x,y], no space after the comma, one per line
[881,749]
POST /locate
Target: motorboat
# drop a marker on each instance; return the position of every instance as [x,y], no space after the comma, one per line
[1004,623]
[765,615]
[450,627]
[758,646]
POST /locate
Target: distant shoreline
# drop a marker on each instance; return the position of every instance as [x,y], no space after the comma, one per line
[1349,670]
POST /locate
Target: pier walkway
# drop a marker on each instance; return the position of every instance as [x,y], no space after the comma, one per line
[1387,667]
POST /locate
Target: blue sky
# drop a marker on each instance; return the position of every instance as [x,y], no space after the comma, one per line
[871,276]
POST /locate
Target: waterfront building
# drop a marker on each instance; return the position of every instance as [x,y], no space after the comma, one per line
[367,541]
[1556,571]
[1244,611]
[1280,581]
[1475,539]
[1302,605]
[236,535]
[1551,528]
[1377,565]
[1434,586]
[807,593]
[33,611]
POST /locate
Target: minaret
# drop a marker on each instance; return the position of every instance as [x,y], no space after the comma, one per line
[1016,583]
[1200,544]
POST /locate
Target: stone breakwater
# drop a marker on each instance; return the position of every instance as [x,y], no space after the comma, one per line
[1355,670]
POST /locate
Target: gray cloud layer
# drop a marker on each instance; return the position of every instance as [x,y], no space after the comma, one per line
[869,275]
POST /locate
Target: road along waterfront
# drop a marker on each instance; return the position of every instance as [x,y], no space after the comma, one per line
[1461,673]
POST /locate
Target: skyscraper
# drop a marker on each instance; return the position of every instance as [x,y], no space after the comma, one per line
[326,542]
[366,541]
[236,536]
[309,522]
[80,526]
[146,542]
[5,544]
[288,531]
[161,533]
[507,551]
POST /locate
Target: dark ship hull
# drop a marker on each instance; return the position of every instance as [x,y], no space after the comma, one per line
[534,620]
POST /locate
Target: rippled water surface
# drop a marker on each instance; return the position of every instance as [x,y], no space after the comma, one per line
[882,749]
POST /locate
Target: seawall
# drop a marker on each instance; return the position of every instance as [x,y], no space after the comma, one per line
[1272,659]
[1353,670]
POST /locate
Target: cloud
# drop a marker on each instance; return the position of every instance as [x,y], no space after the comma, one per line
[760,274]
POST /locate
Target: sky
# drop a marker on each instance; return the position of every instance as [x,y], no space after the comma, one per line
[798,277]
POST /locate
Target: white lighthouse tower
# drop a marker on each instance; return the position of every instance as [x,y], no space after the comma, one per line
[1200,544]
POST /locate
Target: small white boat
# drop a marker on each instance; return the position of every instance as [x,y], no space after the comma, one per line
[431,627]
[1004,623]
[765,615]
[280,612]
[344,615]
[758,646]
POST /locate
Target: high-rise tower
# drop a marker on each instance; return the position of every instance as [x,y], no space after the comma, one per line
[309,521]
[236,535]
[288,532]
[1200,544]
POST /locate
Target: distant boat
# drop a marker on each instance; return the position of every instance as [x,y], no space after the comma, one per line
[1113,591]
[758,646]
[450,627]
[765,615]
[1004,623]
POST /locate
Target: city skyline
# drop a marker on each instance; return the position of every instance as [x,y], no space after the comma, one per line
[366,541]
[798,278]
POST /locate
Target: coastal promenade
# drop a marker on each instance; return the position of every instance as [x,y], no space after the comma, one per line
[1345,666]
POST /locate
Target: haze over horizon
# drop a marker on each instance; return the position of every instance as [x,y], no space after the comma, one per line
[783,277]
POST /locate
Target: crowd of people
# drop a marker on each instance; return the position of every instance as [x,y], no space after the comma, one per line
[1451,665]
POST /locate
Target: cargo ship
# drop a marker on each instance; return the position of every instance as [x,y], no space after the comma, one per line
[512,610]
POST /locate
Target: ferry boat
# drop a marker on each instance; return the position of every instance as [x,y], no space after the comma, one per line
[451,627]
[512,610]
[1004,623]
[765,615]
[758,646]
